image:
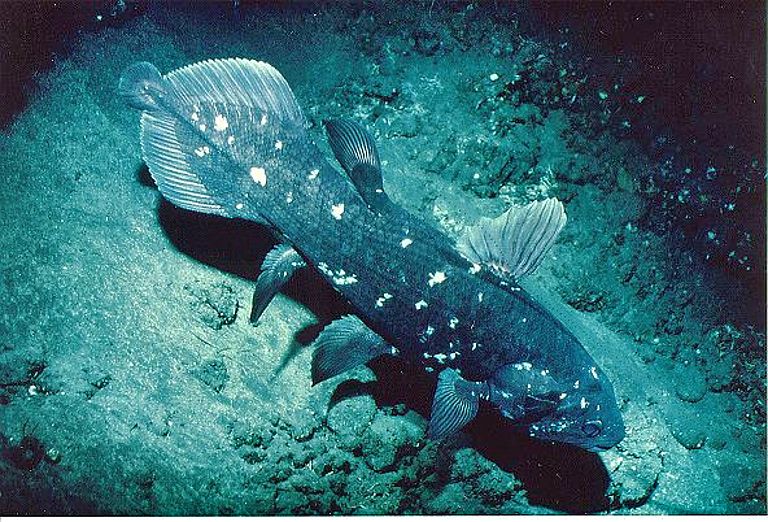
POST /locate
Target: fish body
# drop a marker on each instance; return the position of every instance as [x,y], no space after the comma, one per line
[227,137]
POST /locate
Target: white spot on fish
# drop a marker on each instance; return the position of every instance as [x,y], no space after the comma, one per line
[383,299]
[440,357]
[583,403]
[475,268]
[278,145]
[525,319]
[593,371]
[202,151]
[474,346]
[429,370]
[194,116]
[426,355]
[259,175]
[263,119]
[421,304]
[479,297]
[339,276]
[239,206]
[337,210]
[453,355]
[453,322]
[576,385]
[289,197]
[220,123]
[430,330]
[202,127]
[562,396]
[405,243]
[345,280]
[436,278]
[313,173]
[544,372]
[231,140]
[523,366]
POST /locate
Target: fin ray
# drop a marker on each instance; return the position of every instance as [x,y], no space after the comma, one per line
[456,402]
[344,344]
[163,153]
[515,243]
[278,267]
[355,150]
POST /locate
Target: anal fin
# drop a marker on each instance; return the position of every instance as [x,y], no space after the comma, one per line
[345,344]
[278,267]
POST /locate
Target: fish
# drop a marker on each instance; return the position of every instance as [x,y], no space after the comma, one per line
[227,137]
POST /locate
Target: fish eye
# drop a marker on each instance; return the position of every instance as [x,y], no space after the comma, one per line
[592,428]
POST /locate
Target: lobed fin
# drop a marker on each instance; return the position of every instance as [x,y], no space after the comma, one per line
[169,164]
[343,345]
[278,267]
[456,402]
[356,152]
[236,82]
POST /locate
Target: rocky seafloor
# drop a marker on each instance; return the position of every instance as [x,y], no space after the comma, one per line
[131,381]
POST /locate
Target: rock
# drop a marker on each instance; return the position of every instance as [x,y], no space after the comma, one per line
[452,499]
[686,427]
[212,373]
[720,373]
[426,41]
[406,125]
[690,384]
[352,416]
[373,493]
[388,438]
[215,305]
[742,482]
[290,502]
[467,464]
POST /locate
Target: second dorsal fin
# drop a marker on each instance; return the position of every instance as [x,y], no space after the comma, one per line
[356,152]
[514,244]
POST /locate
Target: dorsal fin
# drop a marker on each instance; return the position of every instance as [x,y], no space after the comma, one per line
[515,243]
[357,154]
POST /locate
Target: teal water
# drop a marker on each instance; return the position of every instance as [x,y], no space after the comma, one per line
[131,381]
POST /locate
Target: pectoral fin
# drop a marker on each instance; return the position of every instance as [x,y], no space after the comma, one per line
[515,243]
[278,267]
[455,404]
[345,344]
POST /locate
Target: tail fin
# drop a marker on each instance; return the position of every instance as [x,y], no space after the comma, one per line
[141,85]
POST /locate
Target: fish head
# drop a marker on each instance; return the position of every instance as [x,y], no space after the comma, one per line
[583,413]
[587,416]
